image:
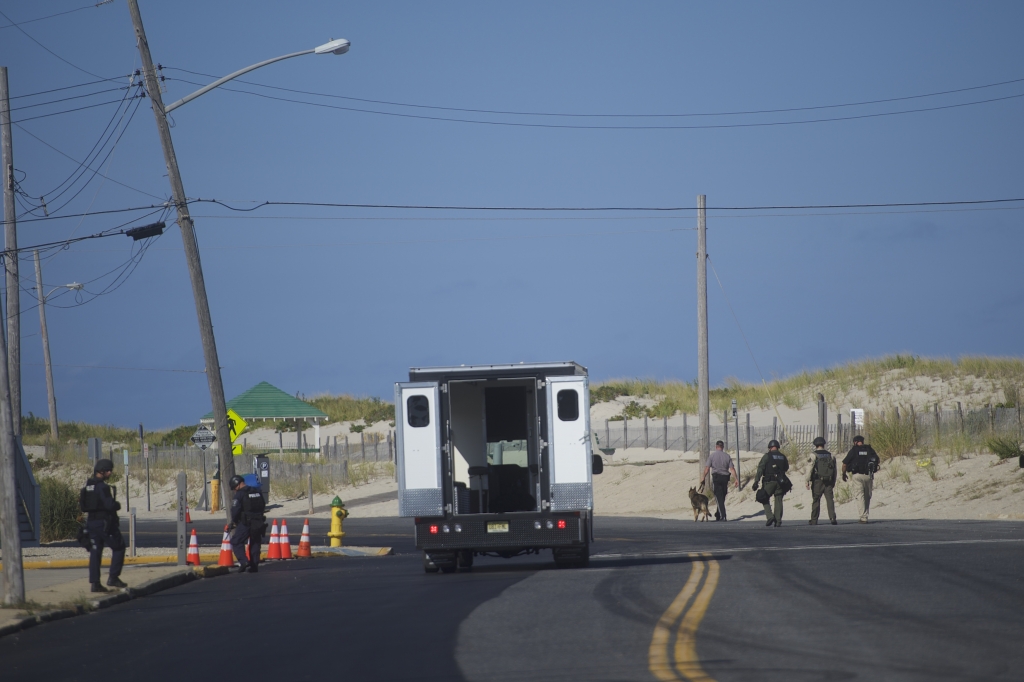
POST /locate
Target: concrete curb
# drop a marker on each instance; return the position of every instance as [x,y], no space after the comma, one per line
[204,558]
[147,588]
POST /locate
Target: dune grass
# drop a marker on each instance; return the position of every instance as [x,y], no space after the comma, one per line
[835,383]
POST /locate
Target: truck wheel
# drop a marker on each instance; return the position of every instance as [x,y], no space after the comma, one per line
[465,558]
[428,565]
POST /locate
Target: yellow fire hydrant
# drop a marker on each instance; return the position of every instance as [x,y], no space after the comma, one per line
[338,514]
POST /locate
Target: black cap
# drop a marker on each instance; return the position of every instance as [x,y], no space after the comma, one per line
[103,465]
[718,442]
[235,482]
[819,442]
[858,439]
[773,444]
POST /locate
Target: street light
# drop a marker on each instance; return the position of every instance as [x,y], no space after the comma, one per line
[51,398]
[339,46]
[220,418]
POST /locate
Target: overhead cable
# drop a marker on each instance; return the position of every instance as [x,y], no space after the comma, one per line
[568,115]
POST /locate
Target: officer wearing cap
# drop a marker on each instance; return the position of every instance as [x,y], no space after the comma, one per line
[249,524]
[821,480]
[772,470]
[97,499]
[862,461]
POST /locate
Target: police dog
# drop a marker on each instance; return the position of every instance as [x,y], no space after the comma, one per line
[699,503]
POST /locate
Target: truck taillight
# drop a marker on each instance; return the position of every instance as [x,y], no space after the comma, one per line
[561,524]
[433,530]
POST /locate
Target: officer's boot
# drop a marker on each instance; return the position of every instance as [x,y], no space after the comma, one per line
[116,582]
[98,587]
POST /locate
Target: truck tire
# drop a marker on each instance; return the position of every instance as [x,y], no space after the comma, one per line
[428,565]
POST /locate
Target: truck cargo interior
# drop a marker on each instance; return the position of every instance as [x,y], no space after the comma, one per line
[492,428]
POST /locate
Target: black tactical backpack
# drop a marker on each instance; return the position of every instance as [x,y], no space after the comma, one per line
[825,468]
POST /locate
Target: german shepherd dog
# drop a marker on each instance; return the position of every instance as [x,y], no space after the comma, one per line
[699,503]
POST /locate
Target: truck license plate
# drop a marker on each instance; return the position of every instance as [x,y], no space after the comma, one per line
[497,526]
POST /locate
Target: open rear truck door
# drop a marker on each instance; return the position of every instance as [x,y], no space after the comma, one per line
[418,416]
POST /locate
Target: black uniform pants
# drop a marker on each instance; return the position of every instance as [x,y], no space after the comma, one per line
[721,482]
[244,537]
[105,534]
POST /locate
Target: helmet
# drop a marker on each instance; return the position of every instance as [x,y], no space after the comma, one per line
[773,444]
[103,465]
[235,482]
[858,439]
[819,442]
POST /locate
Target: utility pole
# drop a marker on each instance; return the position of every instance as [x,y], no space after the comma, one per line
[51,397]
[195,269]
[10,533]
[11,257]
[703,406]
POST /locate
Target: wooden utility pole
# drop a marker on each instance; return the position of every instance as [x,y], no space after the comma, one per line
[11,256]
[822,417]
[51,398]
[195,269]
[703,390]
[10,533]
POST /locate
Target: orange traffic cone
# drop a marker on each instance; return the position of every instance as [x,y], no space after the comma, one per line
[274,550]
[284,542]
[188,517]
[227,557]
[193,550]
[304,548]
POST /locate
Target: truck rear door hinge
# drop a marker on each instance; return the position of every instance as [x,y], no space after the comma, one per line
[541,384]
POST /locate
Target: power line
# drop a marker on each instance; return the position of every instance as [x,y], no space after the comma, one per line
[66,99]
[92,213]
[51,16]
[567,115]
[429,207]
[71,111]
[26,34]
[709,126]
[131,369]
[69,87]
[81,164]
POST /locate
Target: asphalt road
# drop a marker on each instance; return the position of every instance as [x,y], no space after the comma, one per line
[663,600]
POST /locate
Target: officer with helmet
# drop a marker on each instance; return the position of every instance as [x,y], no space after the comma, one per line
[772,470]
[249,524]
[97,499]
[821,480]
[862,462]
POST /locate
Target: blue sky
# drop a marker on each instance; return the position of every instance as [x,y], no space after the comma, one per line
[345,300]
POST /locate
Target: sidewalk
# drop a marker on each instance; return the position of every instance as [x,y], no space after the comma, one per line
[56,593]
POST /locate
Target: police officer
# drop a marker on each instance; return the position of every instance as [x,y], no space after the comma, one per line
[98,501]
[249,524]
[862,461]
[821,480]
[772,469]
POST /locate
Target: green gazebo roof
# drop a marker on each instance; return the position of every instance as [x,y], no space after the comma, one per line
[263,401]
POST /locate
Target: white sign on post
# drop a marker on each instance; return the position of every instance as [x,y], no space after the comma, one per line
[145,450]
[203,437]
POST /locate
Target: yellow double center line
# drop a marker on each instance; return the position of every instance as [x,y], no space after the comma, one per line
[678,660]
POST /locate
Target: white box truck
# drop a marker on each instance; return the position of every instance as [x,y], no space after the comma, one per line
[496,460]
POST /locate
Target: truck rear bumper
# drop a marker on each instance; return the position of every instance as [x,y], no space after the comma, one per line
[502,532]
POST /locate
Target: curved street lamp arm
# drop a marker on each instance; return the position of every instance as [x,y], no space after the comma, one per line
[221,81]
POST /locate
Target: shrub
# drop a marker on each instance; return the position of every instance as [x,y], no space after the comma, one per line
[1004,448]
[891,437]
[58,510]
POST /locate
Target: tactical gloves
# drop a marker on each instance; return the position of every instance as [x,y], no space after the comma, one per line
[754,488]
[844,477]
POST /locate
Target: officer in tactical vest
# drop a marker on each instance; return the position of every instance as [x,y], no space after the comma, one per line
[862,461]
[772,470]
[97,499]
[821,480]
[249,524]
